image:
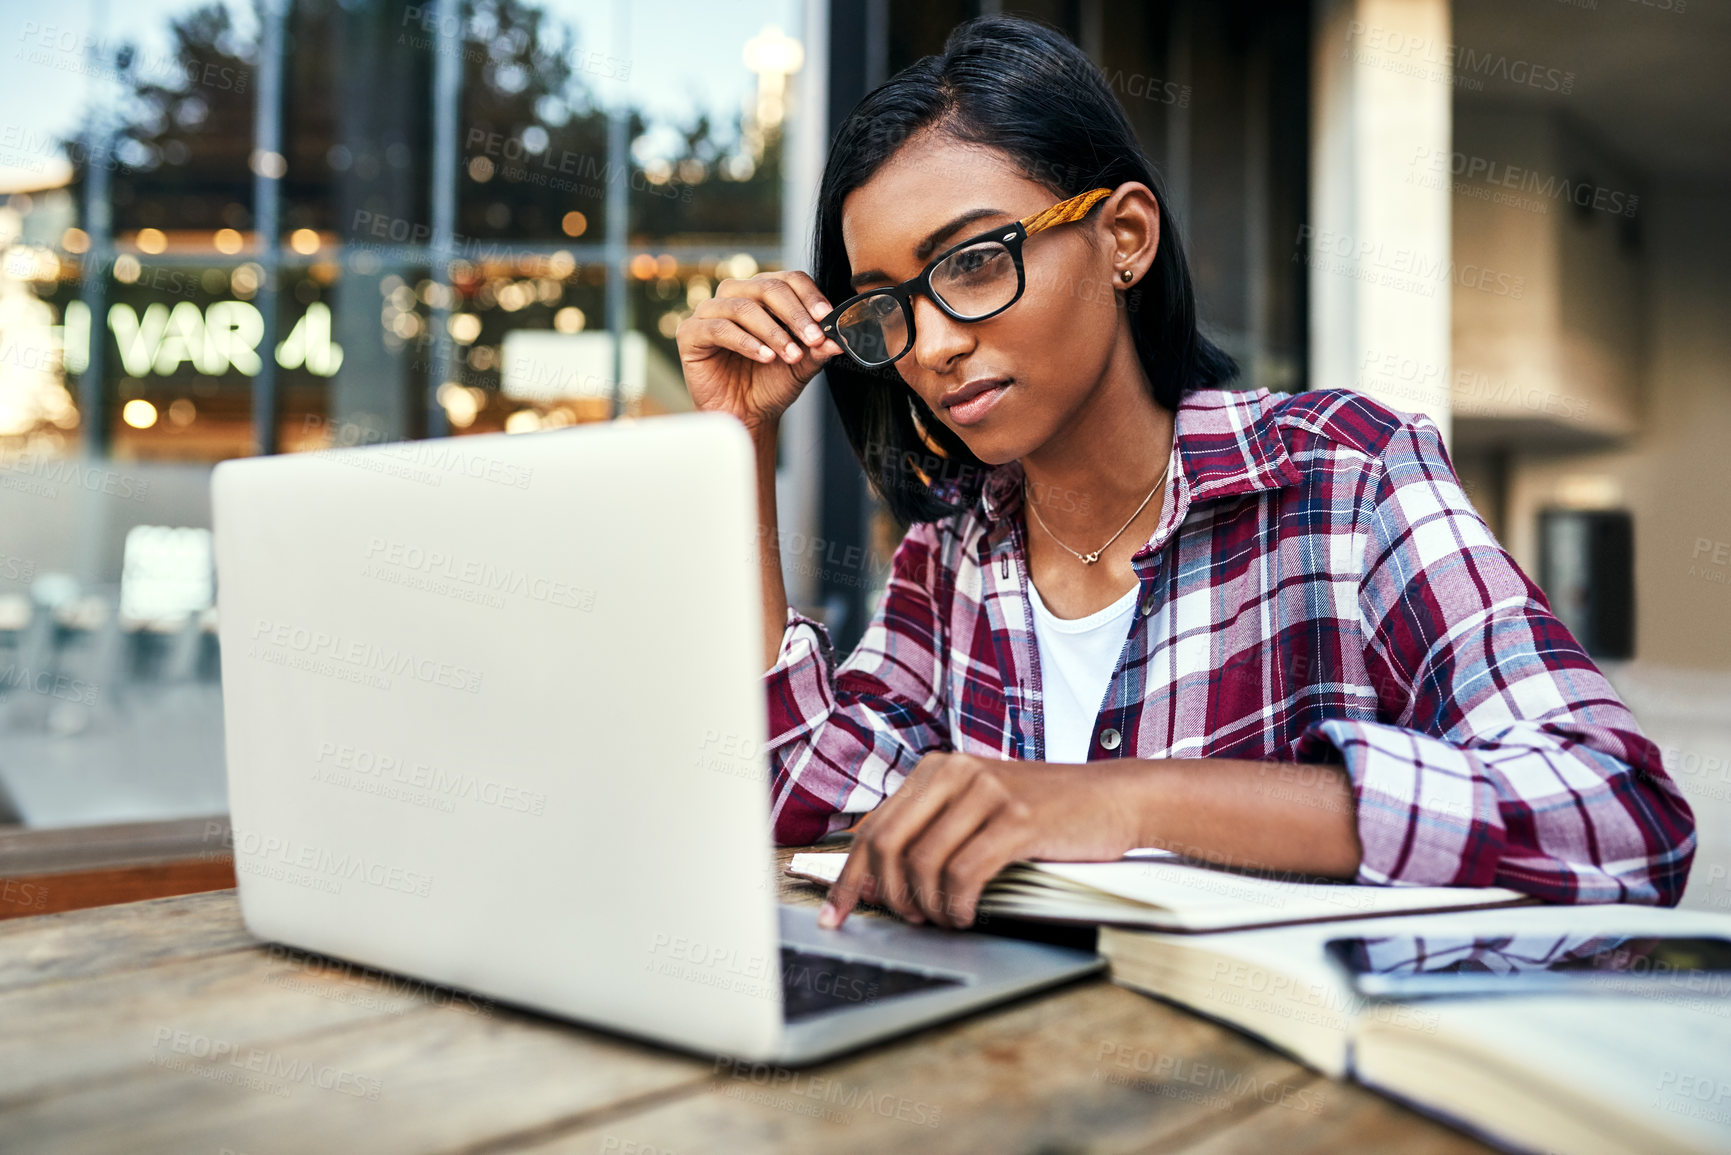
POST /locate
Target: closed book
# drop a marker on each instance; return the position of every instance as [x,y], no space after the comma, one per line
[1570,1073]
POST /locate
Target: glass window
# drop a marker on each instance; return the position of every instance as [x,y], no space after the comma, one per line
[533,155]
[694,162]
[357,126]
[185,344]
[43,323]
[188,275]
[513,323]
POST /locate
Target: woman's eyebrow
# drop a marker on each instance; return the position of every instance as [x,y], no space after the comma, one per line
[924,249]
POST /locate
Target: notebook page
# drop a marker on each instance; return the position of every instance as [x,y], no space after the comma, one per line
[1204,898]
[825,866]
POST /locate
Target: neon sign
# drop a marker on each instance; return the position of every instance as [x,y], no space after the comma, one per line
[222,336]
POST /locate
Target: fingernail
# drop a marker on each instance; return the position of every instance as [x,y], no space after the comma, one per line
[821,311]
[813,334]
[827,916]
[766,351]
[791,352]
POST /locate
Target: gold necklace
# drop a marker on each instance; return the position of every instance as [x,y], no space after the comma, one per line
[1094,556]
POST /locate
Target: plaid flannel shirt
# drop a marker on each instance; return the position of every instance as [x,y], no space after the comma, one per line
[1318,589]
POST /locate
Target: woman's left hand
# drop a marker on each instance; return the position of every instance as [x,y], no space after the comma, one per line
[929,849]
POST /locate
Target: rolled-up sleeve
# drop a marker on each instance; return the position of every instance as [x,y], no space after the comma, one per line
[1500,754]
[842,739]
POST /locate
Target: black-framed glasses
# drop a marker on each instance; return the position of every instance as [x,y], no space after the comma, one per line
[977,279]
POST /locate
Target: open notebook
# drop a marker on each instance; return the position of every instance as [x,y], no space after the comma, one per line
[1160,891]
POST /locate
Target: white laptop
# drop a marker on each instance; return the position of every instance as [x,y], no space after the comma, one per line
[495,719]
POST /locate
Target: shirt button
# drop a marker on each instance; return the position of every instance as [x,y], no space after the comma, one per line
[1148,605]
[1109,739]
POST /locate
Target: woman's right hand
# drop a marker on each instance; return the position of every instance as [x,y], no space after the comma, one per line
[752,347]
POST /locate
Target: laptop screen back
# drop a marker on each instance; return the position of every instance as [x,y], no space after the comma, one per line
[494,718]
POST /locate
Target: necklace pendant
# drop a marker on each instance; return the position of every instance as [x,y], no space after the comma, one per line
[1090,558]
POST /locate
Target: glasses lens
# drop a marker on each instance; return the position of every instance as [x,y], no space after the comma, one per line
[977,280]
[874,329]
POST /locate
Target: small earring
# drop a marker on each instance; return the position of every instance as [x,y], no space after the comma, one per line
[1127,276]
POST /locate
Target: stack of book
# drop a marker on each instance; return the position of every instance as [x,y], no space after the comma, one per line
[1641,1067]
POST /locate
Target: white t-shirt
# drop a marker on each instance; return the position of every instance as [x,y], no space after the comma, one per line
[1077,657]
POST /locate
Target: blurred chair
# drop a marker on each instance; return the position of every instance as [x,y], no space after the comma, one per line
[34,635]
[15,614]
[208,668]
[83,653]
[167,582]
[9,813]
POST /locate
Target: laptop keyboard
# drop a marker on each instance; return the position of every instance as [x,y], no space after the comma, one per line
[812,984]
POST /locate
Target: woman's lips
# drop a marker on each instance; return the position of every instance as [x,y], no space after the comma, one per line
[975,408]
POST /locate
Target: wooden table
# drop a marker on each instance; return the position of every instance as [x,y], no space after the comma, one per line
[162,1026]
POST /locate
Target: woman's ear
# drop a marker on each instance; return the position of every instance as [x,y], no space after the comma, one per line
[1131,216]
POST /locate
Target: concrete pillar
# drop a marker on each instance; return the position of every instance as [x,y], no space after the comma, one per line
[1378,245]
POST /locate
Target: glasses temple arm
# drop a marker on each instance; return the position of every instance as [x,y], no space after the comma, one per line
[1064,212]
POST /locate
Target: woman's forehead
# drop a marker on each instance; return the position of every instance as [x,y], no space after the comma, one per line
[929,182]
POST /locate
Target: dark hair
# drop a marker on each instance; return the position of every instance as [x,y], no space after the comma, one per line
[1024,90]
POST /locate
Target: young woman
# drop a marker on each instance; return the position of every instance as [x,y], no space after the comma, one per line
[1134,608]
